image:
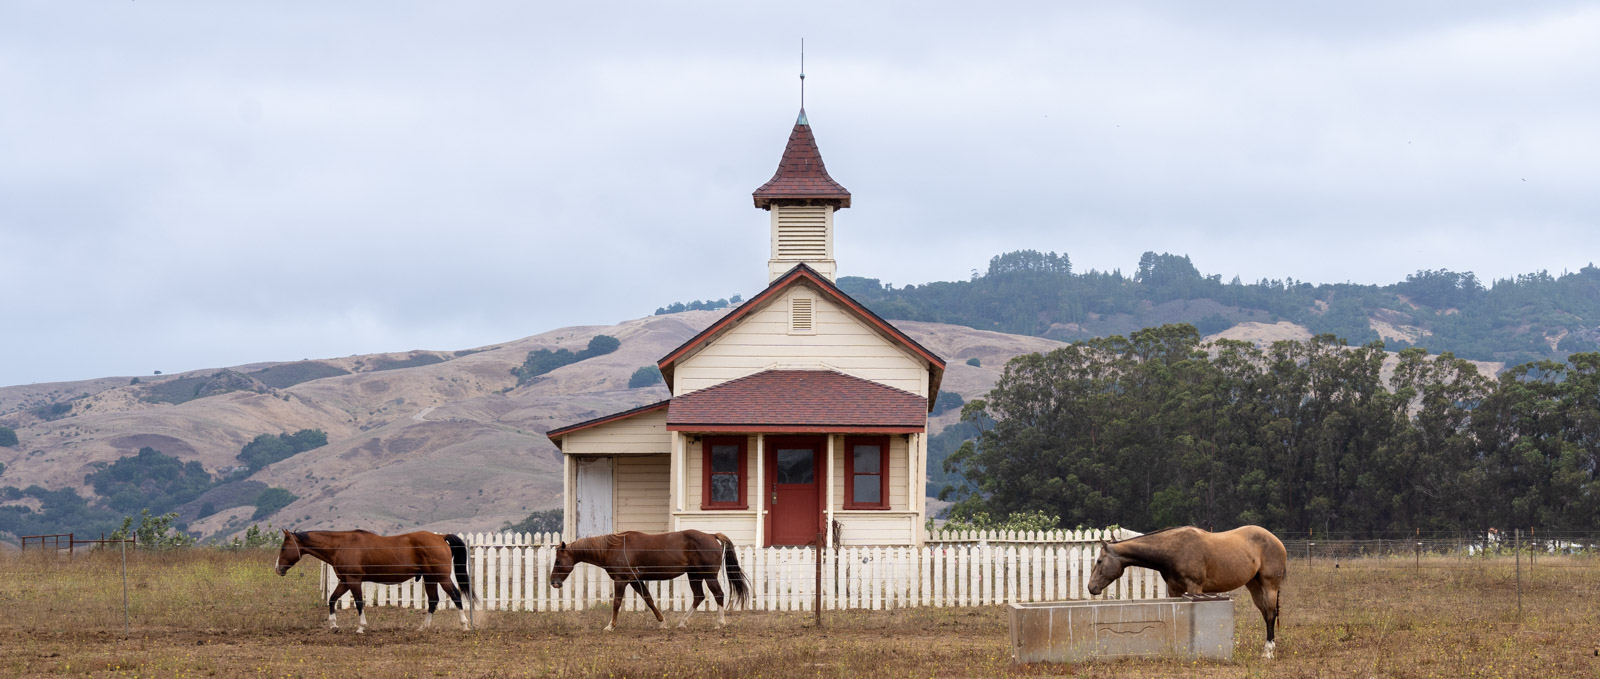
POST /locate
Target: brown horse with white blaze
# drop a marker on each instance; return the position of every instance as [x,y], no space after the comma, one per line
[1194,561]
[632,558]
[359,556]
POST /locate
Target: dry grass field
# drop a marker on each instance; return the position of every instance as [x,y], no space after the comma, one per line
[206,613]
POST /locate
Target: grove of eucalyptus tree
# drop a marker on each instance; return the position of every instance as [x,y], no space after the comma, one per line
[1159,428]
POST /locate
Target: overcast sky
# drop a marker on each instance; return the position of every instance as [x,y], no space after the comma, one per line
[190,185]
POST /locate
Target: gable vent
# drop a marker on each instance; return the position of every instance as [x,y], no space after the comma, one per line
[800,315]
[802,232]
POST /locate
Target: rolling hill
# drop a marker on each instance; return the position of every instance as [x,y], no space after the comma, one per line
[433,440]
[449,440]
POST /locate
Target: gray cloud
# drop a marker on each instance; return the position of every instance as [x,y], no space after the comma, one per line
[186,185]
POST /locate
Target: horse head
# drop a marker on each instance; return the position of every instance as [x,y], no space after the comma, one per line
[288,554]
[1107,568]
[562,567]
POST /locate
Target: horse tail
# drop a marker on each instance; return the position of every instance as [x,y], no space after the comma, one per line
[736,579]
[458,556]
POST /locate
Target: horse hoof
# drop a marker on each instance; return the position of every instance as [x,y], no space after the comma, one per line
[361,630]
[608,628]
[683,625]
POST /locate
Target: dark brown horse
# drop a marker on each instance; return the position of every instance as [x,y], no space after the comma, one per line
[1193,561]
[358,556]
[633,558]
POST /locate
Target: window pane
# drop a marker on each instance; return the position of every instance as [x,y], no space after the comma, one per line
[866,490]
[724,487]
[725,458]
[796,465]
[868,459]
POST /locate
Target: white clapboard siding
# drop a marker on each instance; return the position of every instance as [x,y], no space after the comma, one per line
[511,571]
[641,500]
[838,340]
[643,433]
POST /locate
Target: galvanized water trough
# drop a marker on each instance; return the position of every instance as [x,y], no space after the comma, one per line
[1073,631]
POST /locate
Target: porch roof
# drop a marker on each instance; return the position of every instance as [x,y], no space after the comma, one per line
[555,434]
[799,401]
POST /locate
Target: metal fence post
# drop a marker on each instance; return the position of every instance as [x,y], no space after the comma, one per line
[816,605]
[1517,545]
[126,628]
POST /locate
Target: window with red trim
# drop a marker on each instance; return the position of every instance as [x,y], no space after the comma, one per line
[866,469]
[722,471]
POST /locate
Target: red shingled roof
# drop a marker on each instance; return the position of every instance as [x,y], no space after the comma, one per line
[801,174]
[794,401]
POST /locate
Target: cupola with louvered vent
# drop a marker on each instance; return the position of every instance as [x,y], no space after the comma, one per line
[802,199]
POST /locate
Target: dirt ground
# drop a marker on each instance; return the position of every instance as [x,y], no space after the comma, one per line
[207,613]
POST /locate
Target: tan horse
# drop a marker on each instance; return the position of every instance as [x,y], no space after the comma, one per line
[632,558]
[358,556]
[1193,561]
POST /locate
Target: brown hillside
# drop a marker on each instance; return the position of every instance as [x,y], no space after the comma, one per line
[447,445]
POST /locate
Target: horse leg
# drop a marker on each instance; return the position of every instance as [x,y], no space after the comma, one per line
[699,596]
[722,608]
[1266,599]
[361,606]
[650,601]
[333,601]
[619,589]
[432,588]
[455,598]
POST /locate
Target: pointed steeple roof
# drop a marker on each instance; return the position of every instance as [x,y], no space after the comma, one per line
[801,176]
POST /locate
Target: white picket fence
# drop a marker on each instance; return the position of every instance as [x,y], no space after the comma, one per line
[509,539]
[1030,536]
[512,571]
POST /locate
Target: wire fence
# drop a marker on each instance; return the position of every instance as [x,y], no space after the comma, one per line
[105,588]
[1532,544]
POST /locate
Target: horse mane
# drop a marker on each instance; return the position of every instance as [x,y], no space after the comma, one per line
[594,543]
[1154,532]
[303,535]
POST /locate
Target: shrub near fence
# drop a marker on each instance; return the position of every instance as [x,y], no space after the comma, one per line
[511,572]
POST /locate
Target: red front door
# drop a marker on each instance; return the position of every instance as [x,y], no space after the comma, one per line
[794,489]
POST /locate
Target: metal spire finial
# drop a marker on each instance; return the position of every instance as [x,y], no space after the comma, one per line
[802,73]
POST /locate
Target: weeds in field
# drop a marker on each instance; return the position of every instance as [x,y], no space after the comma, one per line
[221,613]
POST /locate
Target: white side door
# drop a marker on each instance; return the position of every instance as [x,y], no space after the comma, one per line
[593,489]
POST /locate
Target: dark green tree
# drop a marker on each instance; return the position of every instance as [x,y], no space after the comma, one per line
[270,501]
[151,480]
[1157,429]
[266,449]
[541,521]
[647,376]
[946,402]
[541,361]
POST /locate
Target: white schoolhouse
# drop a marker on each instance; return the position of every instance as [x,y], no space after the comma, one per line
[798,413]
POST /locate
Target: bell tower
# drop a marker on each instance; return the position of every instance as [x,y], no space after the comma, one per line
[802,200]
